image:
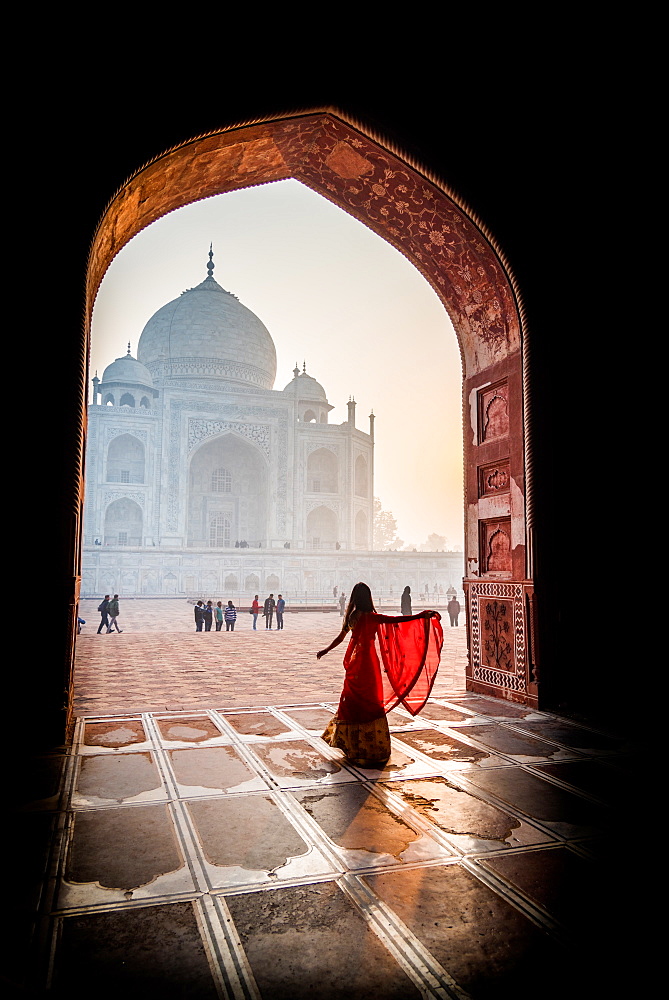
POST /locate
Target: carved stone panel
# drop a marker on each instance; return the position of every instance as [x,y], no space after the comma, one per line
[494,478]
[495,547]
[493,412]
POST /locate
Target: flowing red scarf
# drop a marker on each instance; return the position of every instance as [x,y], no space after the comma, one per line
[389,663]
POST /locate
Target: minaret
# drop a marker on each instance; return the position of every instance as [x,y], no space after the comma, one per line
[371,425]
[96,383]
[351,412]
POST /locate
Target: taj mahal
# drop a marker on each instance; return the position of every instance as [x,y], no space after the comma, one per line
[202,478]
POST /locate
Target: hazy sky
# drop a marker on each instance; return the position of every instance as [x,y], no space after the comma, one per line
[335,295]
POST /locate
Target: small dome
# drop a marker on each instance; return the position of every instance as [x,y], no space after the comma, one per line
[128,371]
[305,387]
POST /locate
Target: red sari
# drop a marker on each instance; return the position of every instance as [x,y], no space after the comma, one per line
[388,663]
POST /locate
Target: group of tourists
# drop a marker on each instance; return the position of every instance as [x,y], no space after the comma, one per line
[206,614]
[109,612]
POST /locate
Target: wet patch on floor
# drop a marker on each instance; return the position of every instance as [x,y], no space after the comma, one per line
[149,847]
[298,763]
[256,723]
[123,777]
[116,734]
[440,746]
[471,823]
[202,770]
[512,743]
[436,713]
[313,719]
[193,730]
[566,813]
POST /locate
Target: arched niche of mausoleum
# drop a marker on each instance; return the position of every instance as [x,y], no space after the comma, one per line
[108,399]
[125,460]
[123,523]
[220,531]
[361,477]
[272,583]
[322,528]
[227,476]
[322,472]
[231,583]
[309,417]
[252,583]
[361,530]
[145,403]
[127,399]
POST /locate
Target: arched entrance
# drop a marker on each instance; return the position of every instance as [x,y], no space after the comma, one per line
[452,250]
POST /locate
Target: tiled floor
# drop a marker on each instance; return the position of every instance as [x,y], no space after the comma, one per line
[226,851]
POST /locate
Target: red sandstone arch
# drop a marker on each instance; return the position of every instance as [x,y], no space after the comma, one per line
[415,212]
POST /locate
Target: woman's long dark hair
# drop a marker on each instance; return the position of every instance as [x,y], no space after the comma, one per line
[360,602]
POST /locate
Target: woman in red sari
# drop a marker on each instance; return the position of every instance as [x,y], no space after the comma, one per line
[390,661]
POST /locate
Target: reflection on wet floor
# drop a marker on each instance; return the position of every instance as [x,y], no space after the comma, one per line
[272,868]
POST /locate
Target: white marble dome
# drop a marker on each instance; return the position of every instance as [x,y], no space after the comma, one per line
[306,387]
[207,331]
[127,371]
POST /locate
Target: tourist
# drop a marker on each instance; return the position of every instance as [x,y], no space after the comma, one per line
[199,616]
[218,614]
[280,605]
[113,615]
[453,608]
[255,611]
[406,601]
[230,617]
[342,604]
[103,608]
[410,648]
[268,610]
[208,613]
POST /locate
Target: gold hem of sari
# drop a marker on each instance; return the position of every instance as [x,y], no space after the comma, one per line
[365,744]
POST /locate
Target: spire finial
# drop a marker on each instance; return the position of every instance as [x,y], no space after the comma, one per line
[211,265]
[304,367]
[296,370]
[128,355]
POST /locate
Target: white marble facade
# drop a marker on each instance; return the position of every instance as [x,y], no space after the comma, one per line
[191,450]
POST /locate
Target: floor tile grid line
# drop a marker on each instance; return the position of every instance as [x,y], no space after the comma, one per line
[231,963]
[587,754]
[48,931]
[564,785]
[423,972]
[233,981]
[533,911]
[419,963]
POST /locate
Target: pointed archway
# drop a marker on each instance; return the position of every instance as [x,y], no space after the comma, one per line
[419,216]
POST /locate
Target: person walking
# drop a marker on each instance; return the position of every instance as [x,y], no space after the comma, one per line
[208,612]
[410,648]
[280,605]
[113,615]
[268,610]
[342,604]
[453,608]
[218,615]
[255,611]
[230,617]
[406,601]
[103,608]
[199,616]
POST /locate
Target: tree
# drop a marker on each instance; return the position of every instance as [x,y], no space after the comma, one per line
[434,543]
[385,529]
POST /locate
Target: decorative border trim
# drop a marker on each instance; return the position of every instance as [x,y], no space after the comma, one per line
[515,680]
